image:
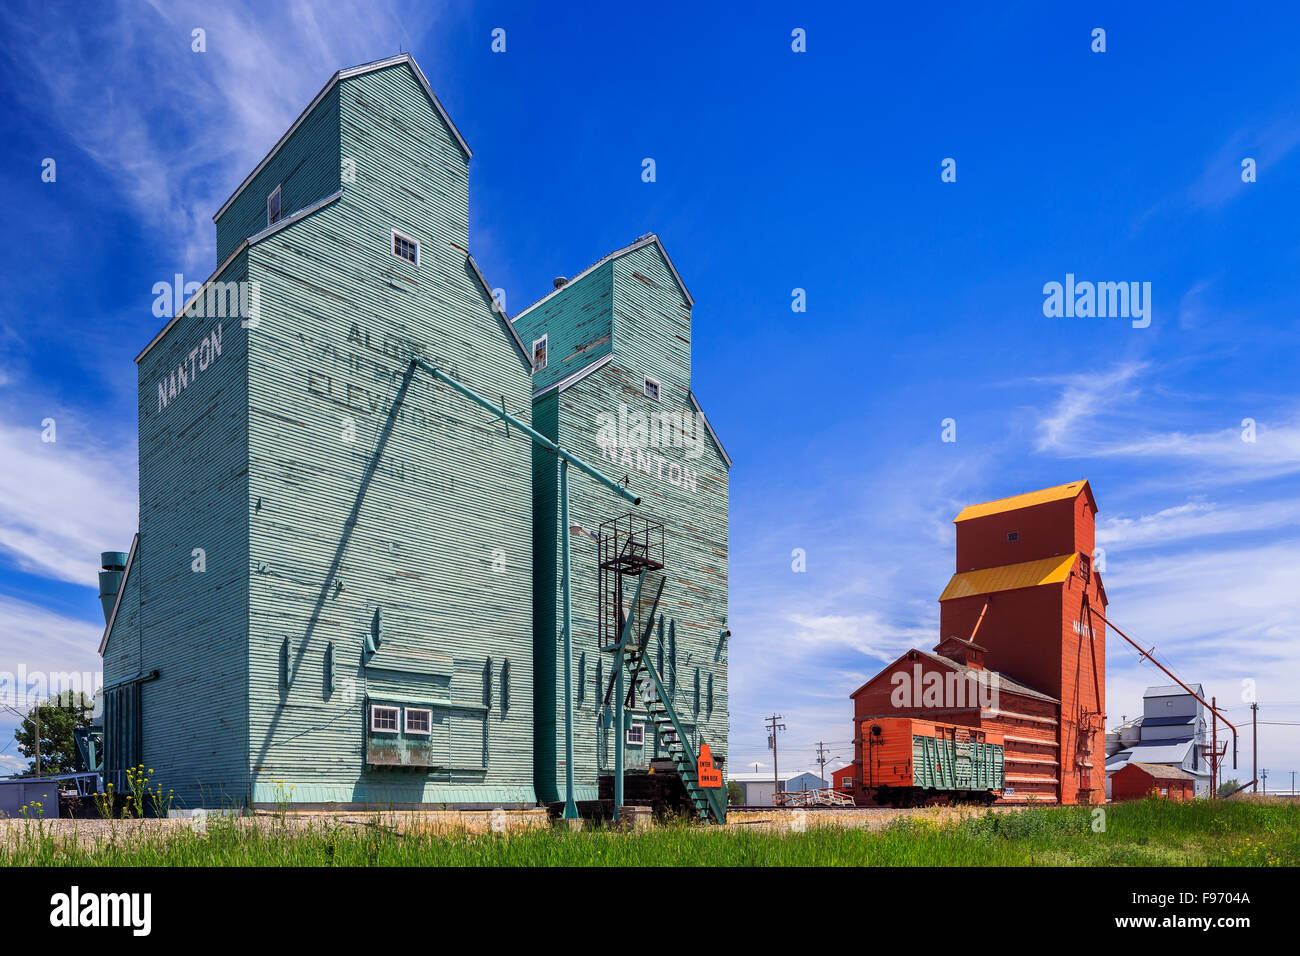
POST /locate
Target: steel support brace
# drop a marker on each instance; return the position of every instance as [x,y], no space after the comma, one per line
[566,459]
[535,435]
[570,808]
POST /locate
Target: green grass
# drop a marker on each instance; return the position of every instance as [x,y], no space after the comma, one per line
[1142,833]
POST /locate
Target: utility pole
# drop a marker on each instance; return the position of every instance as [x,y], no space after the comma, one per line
[773,726]
[1264,775]
[821,758]
[37,712]
[1254,746]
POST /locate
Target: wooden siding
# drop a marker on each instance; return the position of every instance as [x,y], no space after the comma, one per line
[122,650]
[307,169]
[191,626]
[430,527]
[1027,726]
[649,338]
[1061,526]
[373,538]
[1020,630]
[652,321]
[578,325]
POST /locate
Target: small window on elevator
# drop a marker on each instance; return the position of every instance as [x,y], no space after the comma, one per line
[273,207]
[404,247]
[419,720]
[384,719]
[1013,536]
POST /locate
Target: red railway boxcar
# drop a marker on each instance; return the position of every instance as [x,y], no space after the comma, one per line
[906,761]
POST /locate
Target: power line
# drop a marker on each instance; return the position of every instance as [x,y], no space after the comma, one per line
[772,728]
[822,757]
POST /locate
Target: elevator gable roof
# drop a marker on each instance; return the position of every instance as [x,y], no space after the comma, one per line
[1009,577]
[344,75]
[1027,500]
[646,240]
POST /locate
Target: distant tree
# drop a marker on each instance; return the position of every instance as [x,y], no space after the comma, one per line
[1228,786]
[60,715]
[735,794]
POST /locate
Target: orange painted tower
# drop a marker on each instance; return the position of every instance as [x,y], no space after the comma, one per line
[1022,590]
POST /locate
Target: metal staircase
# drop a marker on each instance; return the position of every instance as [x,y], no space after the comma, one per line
[632,652]
[707,801]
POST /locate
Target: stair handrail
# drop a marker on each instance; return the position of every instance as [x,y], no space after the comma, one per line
[711,794]
[622,643]
[644,643]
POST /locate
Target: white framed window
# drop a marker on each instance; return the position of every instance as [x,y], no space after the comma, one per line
[404,247]
[651,388]
[273,207]
[419,720]
[846,782]
[384,719]
[540,353]
[636,735]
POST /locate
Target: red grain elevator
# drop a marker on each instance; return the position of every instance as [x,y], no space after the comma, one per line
[1022,589]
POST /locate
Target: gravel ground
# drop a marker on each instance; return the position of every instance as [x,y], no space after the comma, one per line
[92,831]
[96,831]
[869,818]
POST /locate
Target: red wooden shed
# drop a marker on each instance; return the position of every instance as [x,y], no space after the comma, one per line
[1137,780]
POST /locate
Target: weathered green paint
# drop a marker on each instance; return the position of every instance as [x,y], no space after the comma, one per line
[947,764]
[576,322]
[709,802]
[325,484]
[566,589]
[633,298]
[307,169]
[188,625]
[322,528]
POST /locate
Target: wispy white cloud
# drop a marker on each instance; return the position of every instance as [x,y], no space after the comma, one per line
[1216,617]
[1104,416]
[1220,180]
[64,502]
[868,634]
[180,129]
[1196,519]
[11,764]
[1268,143]
[1192,310]
[805,641]
[1083,398]
[1215,601]
[1274,450]
[47,647]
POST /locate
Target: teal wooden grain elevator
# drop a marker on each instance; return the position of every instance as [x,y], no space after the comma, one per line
[347,583]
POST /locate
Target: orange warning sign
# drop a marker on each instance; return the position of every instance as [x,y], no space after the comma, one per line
[705,773]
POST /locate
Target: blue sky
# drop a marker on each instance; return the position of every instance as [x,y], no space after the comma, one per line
[776,170]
